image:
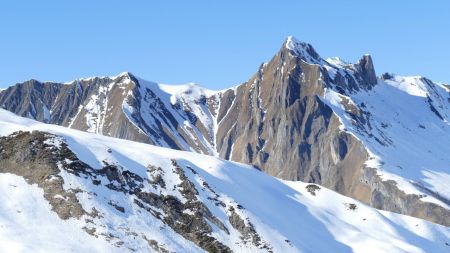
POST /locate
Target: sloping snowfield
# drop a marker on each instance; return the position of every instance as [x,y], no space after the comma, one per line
[289,216]
[407,132]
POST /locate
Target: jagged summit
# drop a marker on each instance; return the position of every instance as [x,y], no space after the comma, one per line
[302,49]
[127,75]
[363,70]
[367,69]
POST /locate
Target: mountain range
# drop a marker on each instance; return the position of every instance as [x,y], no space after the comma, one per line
[342,141]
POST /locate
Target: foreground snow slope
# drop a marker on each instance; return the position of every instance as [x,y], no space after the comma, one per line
[277,216]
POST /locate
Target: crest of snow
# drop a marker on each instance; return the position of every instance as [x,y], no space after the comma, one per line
[412,85]
[87,79]
[337,62]
[191,89]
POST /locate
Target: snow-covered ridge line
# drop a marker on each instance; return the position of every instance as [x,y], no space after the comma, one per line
[190,88]
[123,74]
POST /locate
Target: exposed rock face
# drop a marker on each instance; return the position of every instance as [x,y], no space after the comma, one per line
[91,105]
[122,107]
[30,155]
[367,70]
[385,195]
[245,227]
[278,121]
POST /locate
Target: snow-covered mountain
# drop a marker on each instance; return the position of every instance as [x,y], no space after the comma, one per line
[122,106]
[63,190]
[382,140]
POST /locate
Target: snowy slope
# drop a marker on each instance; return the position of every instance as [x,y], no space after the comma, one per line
[184,112]
[28,225]
[403,122]
[193,97]
[283,215]
[406,130]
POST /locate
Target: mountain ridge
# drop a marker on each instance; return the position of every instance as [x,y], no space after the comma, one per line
[299,117]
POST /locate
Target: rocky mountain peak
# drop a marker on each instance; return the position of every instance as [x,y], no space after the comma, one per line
[302,49]
[28,84]
[125,75]
[359,76]
[32,81]
[365,65]
[126,78]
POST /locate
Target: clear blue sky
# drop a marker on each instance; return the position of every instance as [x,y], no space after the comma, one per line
[214,43]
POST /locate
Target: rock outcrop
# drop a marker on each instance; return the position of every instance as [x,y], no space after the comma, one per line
[42,158]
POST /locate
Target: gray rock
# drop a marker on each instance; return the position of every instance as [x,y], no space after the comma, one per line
[27,155]
[367,70]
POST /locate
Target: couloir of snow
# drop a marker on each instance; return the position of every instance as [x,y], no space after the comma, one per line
[284,214]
